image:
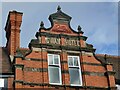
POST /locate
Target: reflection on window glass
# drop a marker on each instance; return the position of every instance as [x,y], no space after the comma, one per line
[50,59]
[56,59]
[75,61]
[54,75]
[70,61]
[74,76]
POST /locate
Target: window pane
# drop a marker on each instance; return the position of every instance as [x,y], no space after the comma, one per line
[76,61]
[54,75]
[50,57]
[74,76]
[6,83]
[56,59]
[70,61]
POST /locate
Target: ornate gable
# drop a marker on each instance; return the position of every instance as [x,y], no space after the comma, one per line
[59,16]
[60,23]
[60,35]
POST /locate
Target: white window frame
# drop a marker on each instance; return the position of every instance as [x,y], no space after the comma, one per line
[78,67]
[55,65]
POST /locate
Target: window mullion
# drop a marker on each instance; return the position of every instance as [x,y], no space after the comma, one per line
[59,61]
[73,61]
[53,59]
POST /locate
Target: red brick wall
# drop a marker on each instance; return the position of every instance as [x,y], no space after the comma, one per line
[42,77]
[10,82]
[29,74]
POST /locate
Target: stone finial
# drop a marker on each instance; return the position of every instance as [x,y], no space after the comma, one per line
[58,8]
[79,28]
[41,24]
[105,57]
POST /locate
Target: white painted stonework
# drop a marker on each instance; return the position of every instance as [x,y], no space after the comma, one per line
[1,82]
[118,87]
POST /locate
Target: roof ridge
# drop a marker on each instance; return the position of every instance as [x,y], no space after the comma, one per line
[114,56]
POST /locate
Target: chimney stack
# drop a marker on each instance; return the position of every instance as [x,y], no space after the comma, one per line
[12,29]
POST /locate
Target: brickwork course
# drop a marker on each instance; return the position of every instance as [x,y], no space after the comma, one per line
[28,67]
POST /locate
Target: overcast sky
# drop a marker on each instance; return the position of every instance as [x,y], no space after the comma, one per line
[99,21]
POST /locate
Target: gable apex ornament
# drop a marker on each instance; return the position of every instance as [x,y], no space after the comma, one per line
[59,16]
[79,29]
[41,25]
[58,8]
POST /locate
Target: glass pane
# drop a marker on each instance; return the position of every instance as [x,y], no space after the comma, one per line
[50,57]
[76,61]
[74,76]
[6,83]
[56,59]
[70,61]
[54,75]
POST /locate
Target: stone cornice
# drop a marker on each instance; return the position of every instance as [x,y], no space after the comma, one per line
[60,35]
[61,47]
